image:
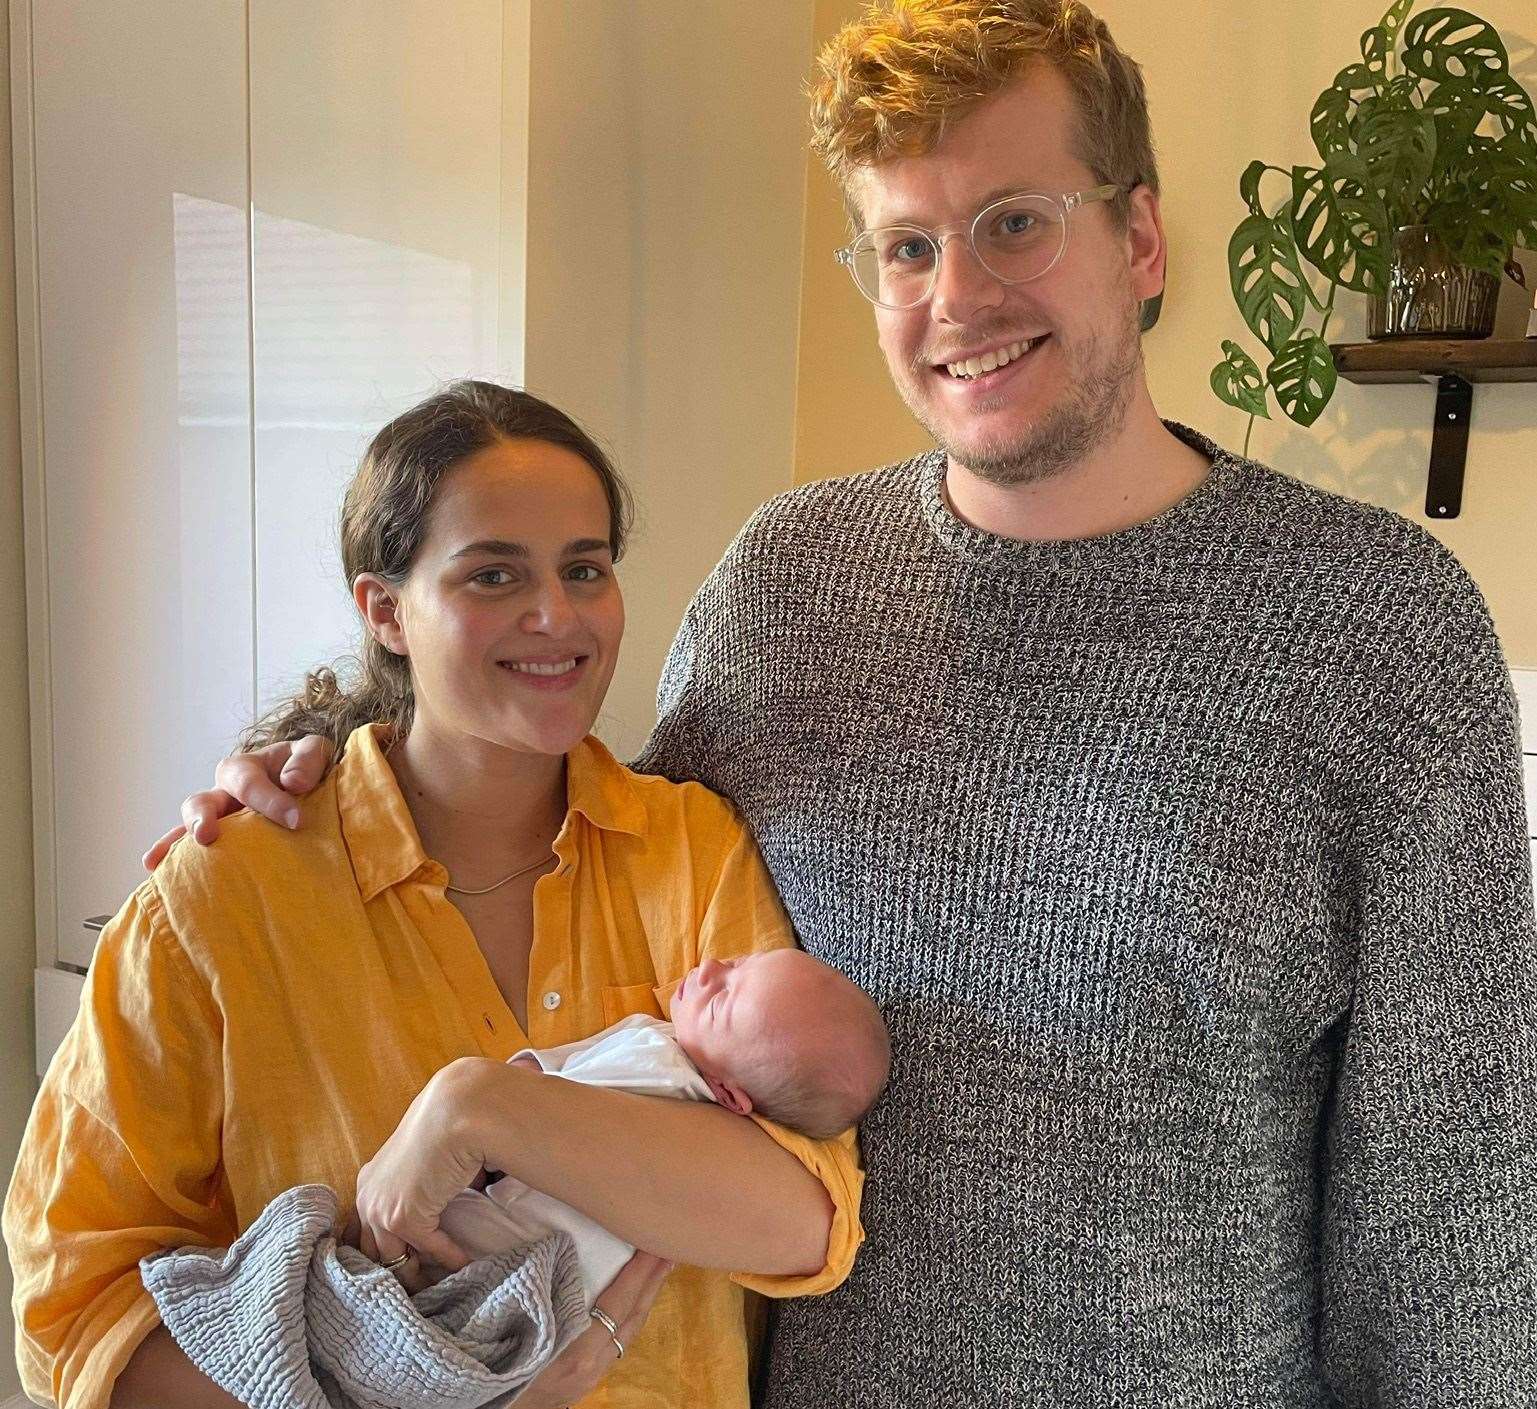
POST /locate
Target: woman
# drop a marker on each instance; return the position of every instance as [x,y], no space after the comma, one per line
[475,876]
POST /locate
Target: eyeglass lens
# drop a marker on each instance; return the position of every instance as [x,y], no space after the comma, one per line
[1015,240]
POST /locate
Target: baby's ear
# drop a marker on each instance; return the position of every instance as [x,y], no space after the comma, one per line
[730,1095]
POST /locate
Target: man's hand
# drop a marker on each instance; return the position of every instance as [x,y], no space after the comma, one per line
[266,781]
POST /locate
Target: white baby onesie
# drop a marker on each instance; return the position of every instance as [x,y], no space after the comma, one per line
[637,1054]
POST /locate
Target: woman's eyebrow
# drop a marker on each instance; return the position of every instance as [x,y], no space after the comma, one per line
[506,548]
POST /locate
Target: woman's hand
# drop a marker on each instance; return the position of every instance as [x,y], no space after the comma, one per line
[582,1366]
[404,1188]
[266,781]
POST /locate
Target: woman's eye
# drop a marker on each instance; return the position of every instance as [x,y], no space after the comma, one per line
[492,577]
[585,572]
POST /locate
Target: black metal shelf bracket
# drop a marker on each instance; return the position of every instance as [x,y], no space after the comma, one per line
[1449,447]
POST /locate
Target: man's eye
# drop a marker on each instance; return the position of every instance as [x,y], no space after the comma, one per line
[585,572]
[492,577]
[911,249]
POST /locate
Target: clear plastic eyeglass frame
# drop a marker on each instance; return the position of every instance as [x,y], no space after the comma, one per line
[1066,203]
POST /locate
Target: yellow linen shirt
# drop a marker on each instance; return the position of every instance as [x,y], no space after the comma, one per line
[259,1014]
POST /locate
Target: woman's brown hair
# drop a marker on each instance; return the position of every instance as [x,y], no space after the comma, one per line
[384,520]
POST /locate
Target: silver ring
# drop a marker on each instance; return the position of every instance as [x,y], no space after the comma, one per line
[395,1262]
[607,1322]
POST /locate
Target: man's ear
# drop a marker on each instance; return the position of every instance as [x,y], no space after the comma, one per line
[730,1095]
[1147,248]
[379,603]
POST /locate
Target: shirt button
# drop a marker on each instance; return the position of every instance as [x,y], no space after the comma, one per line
[552,1001]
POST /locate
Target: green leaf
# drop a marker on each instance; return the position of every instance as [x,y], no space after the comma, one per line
[1444,43]
[1237,381]
[1248,186]
[1265,270]
[1330,120]
[1398,149]
[1393,21]
[1457,107]
[1303,378]
[1340,224]
[1376,46]
[1510,105]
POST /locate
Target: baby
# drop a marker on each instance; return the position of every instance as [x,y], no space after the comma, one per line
[778,1033]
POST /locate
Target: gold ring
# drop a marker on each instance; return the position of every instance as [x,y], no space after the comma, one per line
[395,1262]
[607,1322]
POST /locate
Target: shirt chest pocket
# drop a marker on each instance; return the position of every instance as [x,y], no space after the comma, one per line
[626,999]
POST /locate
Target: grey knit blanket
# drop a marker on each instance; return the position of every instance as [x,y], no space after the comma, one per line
[289,1318]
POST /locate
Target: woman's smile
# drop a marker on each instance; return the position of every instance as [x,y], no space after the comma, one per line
[548,676]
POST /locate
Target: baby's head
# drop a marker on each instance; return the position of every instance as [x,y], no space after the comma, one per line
[785,1035]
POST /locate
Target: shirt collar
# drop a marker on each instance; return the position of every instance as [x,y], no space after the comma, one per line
[381,837]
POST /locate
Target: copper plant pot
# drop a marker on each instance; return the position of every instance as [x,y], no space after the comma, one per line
[1429,295]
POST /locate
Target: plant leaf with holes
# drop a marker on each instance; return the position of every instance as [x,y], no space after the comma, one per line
[1266,274]
[1457,107]
[1398,148]
[1330,119]
[1510,105]
[1303,378]
[1340,224]
[1238,381]
[1446,43]
[1392,22]
[1375,49]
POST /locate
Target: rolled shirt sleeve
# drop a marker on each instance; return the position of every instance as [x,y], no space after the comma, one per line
[745,916]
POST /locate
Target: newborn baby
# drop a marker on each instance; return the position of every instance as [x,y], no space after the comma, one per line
[777,1033]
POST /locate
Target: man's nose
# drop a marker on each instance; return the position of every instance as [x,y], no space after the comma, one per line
[963,286]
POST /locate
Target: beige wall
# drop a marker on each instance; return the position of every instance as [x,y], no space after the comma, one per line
[16,927]
[679,144]
[1234,86]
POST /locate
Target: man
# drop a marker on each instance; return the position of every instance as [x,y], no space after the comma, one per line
[1169,807]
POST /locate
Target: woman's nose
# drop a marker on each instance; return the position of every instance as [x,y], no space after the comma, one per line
[550,611]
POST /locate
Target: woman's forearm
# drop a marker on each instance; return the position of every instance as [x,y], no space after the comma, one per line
[685,1180]
[159,1376]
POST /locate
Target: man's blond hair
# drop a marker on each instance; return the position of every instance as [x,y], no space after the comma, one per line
[890,81]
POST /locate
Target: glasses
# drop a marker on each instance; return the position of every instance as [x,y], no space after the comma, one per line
[1015,240]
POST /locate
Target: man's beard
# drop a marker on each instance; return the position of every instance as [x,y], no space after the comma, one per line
[1101,376]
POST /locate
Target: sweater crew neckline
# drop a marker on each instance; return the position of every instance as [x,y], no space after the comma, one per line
[1135,541]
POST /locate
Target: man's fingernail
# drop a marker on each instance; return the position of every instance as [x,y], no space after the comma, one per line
[291,819]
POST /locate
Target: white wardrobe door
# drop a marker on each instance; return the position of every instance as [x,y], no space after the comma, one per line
[140,133]
[376,174]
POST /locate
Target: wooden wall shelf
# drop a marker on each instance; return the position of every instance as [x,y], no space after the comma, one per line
[1455,366]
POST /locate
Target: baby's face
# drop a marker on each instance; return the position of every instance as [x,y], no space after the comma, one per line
[725,1010]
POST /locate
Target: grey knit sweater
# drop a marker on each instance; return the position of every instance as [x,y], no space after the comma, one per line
[1188,867]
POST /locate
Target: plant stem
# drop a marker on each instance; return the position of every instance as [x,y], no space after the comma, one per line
[1248,434]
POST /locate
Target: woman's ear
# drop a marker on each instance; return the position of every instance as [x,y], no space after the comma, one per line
[379,603]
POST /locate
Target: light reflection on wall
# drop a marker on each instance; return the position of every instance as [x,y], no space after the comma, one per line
[346,332]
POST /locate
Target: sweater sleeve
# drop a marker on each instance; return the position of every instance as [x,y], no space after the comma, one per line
[121,1157]
[1429,1228]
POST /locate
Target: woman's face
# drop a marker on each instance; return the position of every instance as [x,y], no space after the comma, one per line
[511,615]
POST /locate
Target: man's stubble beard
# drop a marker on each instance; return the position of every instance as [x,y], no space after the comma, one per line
[1101,380]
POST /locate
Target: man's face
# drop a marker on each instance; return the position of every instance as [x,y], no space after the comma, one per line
[1044,412]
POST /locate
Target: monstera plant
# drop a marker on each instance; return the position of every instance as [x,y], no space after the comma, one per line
[1428,129]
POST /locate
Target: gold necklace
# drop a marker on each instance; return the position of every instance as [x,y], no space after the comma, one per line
[522,871]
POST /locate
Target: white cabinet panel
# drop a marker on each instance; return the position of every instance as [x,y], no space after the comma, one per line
[140,142]
[55,1001]
[376,166]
